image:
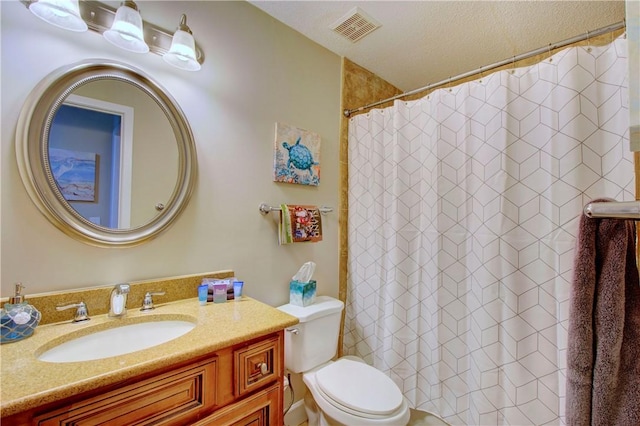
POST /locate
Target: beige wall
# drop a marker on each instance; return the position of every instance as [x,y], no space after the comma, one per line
[257,72]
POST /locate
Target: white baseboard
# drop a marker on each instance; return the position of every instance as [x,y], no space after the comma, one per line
[296,414]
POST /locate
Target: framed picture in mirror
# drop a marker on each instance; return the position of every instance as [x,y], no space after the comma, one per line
[75,173]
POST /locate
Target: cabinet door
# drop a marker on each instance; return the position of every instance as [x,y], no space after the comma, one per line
[261,409]
[170,399]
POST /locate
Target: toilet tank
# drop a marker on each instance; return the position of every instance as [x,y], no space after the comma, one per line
[316,339]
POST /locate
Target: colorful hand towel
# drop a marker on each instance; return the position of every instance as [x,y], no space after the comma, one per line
[299,223]
[603,352]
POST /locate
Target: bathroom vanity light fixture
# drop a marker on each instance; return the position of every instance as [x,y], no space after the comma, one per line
[182,53]
[125,28]
[61,13]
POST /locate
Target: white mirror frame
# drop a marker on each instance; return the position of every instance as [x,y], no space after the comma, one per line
[32,152]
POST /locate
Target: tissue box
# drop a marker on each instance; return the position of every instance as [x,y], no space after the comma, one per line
[302,294]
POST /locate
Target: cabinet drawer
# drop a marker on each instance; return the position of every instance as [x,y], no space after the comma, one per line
[257,364]
[261,409]
[169,399]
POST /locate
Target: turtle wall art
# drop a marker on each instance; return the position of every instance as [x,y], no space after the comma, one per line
[296,157]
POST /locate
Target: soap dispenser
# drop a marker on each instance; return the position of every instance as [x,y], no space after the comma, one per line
[18,319]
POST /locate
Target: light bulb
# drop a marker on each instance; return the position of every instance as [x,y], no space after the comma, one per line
[126,30]
[61,13]
[182,53]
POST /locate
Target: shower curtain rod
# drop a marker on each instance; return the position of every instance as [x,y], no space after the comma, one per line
[589,34]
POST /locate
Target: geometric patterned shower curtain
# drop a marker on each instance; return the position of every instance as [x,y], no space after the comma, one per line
[463,214]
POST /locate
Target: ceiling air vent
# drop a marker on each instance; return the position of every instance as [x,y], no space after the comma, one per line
[355,25]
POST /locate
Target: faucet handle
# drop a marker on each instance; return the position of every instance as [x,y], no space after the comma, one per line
[81,311]
[147,303]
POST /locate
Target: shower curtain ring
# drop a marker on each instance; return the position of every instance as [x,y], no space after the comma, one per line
[513,65]
[549,50]
[588,42]
[481,76]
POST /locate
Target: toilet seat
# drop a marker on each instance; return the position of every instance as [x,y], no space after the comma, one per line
[358,389]
[338,412]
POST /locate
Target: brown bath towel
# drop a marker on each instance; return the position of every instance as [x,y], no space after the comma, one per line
[603,353]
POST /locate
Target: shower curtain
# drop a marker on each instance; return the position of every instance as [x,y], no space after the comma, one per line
[463,215]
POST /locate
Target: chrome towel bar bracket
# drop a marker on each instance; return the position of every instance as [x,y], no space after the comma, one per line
[266,209]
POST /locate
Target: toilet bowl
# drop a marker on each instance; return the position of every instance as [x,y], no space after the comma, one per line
[346,391]
[349,392]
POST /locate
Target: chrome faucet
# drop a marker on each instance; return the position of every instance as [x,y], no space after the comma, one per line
[118,300]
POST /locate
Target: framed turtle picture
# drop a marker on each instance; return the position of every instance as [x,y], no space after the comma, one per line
[296,156]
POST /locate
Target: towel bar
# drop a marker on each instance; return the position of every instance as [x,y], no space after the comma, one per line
[266,208]
[613,209]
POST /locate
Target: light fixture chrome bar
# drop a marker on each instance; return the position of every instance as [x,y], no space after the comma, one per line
[99,18]
[613,209]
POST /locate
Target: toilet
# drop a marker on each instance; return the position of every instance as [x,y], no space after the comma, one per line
[346,391]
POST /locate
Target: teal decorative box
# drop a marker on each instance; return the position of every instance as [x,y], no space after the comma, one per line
[302,294]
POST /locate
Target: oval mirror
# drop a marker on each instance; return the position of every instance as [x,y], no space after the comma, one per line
[105,153]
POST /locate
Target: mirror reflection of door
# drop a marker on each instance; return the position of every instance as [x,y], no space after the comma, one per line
[152,155]
[90,151]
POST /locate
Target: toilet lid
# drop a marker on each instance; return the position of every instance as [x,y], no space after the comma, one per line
[360,387]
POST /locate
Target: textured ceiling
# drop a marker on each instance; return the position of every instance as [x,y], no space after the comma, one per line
[423,42]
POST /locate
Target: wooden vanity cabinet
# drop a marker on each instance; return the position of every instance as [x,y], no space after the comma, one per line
[240,385]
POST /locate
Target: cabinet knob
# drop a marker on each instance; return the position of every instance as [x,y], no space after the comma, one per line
[264,368]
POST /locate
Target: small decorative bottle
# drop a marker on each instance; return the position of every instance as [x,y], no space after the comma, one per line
[18,319]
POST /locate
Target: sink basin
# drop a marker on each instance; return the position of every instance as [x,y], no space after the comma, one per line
[117,341]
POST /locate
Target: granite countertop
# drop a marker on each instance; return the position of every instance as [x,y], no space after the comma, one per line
[28,382]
